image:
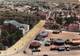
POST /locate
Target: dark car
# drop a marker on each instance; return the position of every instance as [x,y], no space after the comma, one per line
[59,42]
[75,47]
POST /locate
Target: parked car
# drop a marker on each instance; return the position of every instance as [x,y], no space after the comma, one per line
[47,43]
[59,42]
[56,31]
[61,49]
[35,50]
[43,34]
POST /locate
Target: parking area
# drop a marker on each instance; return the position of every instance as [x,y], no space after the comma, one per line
[45,50]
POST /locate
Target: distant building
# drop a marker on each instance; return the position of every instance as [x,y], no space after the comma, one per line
[73,27]
[23,27]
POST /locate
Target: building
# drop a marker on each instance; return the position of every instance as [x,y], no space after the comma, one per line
[23,27]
